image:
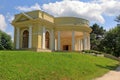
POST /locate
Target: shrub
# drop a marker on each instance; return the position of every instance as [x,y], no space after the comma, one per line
[93,51]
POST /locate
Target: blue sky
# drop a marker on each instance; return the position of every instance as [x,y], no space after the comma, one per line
[102,12]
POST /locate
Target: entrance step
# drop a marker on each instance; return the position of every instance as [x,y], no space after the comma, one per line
[44,50]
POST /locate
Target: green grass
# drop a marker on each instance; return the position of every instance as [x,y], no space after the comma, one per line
[28,65]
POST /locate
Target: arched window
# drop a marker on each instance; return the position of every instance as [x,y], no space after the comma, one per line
[25,39]
[47,39]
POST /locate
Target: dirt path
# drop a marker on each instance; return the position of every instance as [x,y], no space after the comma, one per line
[112,75]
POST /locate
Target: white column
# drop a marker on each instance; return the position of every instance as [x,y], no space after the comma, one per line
[84,41]
[88,42]
[59,42]
[18,38]
[52,40]
[73,40]
[30,37]
[79,45]
[55,44]
[43,38]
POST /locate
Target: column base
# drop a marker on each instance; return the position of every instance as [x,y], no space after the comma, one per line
[43,50]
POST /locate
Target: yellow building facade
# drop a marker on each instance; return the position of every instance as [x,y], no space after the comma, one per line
[39,31]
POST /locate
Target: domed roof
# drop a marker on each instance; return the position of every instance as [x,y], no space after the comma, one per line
[71,20]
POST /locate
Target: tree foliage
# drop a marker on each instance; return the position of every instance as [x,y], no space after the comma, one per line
[111,42]
[96,35]
[118,19]
[108,42]
[5,41]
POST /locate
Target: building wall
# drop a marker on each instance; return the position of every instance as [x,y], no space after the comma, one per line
[22,29]
[35,29]
[36,36]
[66,41]
[48,18]
[39,36]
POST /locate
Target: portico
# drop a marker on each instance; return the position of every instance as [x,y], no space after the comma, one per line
[72,41]
[65,40]
[40,31]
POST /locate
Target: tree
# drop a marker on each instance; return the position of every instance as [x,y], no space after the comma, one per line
[111,42]
[118,19]
[96,35]
[5,41]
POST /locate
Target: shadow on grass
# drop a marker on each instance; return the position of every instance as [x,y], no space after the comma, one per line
[108,67]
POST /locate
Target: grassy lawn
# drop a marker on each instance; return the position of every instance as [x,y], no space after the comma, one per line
[28,65]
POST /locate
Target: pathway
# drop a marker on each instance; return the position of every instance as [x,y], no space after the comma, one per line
[112,75]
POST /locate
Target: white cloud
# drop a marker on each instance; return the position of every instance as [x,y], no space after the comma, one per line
[3,23]
[92,11]
[26,8]
[9,17]
[111,7]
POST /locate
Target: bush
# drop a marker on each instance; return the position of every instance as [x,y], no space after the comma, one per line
[5,41]
[93,51]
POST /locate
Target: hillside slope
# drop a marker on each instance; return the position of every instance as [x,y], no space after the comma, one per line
[27,65]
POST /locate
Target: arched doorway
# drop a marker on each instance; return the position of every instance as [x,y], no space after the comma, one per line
[25,39]
[47,39]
